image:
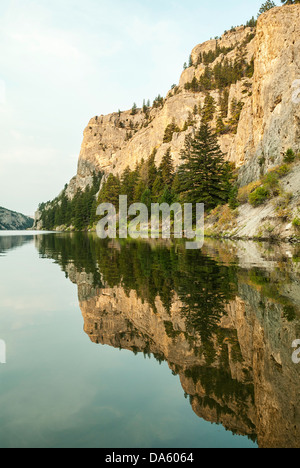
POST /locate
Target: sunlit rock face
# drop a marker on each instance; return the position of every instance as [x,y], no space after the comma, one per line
[275,115]
[269,121]
[224,319]
[268,124]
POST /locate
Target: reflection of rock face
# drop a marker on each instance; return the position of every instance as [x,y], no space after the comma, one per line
[275,377]
[252,385]
[115,319]
[13,242]
[224,319]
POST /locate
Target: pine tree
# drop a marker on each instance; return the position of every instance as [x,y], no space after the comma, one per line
[139,190]
[167,168]
[129,181]
[208,109]
[145,108]
[110,191]
[167,196]
[236,109]
[158,101]
[134,109]
[204,174]
[58,219]
[158,187]
[206,80]
[93,217]
[176,186]
[146,198]
[220,125]
[251,23]
[170,130]
[268,5]
[290,2]
[151,170]
[79,211]
[64,208]
[224,103]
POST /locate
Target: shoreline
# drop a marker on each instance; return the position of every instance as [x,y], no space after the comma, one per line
[294,240]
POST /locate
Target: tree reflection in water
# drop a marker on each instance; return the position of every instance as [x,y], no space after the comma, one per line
[224,325]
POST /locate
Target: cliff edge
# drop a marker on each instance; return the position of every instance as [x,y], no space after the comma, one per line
[252,77]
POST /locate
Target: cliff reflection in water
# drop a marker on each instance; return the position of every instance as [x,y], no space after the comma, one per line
[224,318]
[9,242]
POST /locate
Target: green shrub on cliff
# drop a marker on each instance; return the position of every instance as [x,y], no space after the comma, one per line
[259,196]
[290,156]
[296,223]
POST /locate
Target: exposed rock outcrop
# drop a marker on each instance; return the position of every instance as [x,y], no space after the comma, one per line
[10,220]
[274,122]
[269,121]
[272,220]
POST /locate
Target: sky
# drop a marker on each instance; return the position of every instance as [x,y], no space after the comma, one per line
[63,62]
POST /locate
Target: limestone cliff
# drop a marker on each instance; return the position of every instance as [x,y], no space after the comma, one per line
[269,121]
[255,138]
[113,142]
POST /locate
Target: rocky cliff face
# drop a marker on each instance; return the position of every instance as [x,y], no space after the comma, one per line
[9,220]
[113,142]
[268,124]
[255,139]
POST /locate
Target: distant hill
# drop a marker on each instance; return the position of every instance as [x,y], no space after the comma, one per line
[10,220]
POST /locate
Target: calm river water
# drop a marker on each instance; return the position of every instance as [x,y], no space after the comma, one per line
[146,344]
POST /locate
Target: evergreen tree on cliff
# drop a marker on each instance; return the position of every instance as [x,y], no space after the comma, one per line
[205,177]
[167,168]
[266,7]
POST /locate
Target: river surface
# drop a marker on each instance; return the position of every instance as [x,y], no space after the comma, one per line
[146,344]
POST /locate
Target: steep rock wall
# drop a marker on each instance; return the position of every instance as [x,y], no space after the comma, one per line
[269,122]
[273,116]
